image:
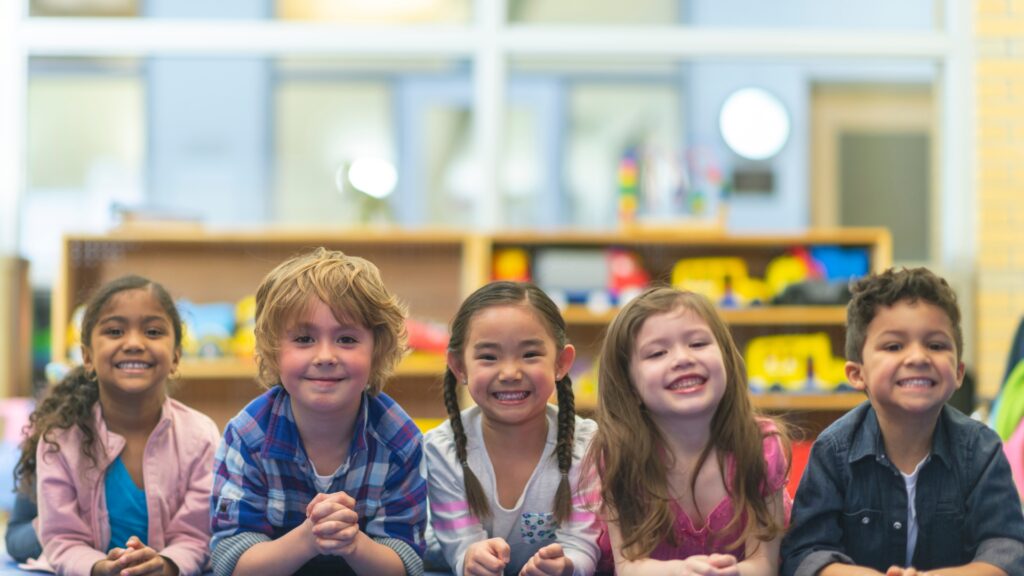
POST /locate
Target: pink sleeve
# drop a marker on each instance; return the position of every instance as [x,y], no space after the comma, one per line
[1014,449]
[776,466]
[66,537]
[188,534]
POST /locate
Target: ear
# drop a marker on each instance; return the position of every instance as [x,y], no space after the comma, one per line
[457,365]
[855,375]
[961,369]
[564,361]
[176,360]
[87,359]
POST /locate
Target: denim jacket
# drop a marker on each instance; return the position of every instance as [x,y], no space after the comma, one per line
[851,506]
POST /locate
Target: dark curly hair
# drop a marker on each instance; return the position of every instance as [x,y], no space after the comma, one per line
[69,403]
[888,288]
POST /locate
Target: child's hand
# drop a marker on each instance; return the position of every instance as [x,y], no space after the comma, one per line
[548,561]
[335,523]
[713,565]
[900,571]
[487,558]
[134,560]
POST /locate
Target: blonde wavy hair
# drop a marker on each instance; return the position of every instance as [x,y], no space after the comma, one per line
[354,291]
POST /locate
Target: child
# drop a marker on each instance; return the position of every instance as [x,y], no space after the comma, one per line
[903,480]
[692,481]
[321,473]
[122,472]
[502,473]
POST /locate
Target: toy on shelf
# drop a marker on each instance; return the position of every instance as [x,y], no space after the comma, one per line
[794,363]
[724,280]
[243,343]
[510,264]
[208,328]
[593,277]
[427,336]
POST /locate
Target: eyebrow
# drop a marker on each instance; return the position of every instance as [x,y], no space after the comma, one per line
[523,344]
[124,319]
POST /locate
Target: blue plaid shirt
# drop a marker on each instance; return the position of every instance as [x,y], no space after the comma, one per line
[263,479]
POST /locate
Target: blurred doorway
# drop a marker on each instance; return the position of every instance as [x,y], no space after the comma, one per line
[873,151]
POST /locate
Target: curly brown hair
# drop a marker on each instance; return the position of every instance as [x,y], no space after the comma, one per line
[628,451]
[351,287]
[70,402]
[888,288]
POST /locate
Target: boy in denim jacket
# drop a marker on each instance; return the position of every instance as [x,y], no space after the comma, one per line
[904,485]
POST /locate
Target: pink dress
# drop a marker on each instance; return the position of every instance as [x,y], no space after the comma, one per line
[691,540]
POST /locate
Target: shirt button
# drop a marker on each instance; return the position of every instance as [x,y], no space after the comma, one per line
[897,525]
[865,520]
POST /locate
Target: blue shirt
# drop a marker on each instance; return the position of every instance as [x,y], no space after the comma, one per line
[126,504]
[851,506]
[263,479]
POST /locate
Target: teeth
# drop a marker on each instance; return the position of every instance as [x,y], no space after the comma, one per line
[133,365]
[511,396]
[915,383]
[686,383]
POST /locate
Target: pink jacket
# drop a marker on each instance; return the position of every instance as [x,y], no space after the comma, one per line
[178,469]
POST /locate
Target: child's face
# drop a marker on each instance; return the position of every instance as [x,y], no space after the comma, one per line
[677,367]
[510,363]
[132,348]
[910,364]
[325,364]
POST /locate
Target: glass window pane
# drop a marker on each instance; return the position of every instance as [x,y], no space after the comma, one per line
[83,7]
[376,11]
[322,130]
[868,14]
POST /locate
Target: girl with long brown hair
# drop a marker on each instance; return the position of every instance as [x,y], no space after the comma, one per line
[693,481]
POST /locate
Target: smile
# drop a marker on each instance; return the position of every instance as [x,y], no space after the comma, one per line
[511,396]
[134,365]
[915,383]
[686,383]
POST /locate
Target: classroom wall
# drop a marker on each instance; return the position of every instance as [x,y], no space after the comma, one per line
[999,147]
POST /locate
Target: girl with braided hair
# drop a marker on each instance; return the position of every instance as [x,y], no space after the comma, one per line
[504,486]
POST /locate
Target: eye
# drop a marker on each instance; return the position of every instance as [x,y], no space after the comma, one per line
[939,346]
[533,354]
[112,331]
[654,354]
[302,339]
[347,340]
[699,344]
[892,347]
[155,332]
[485,357]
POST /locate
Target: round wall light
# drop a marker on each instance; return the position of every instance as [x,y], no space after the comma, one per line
[754,123]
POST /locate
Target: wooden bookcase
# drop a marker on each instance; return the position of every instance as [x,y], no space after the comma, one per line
[432,271]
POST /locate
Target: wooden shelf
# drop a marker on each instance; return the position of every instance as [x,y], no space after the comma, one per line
[414,365]
[759,316]
[836,401]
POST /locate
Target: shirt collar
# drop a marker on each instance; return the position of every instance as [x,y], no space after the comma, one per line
[867,440]
[283,439]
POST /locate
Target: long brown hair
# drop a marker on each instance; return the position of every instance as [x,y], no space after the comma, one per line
[629,450]
[69,403]
[505,294]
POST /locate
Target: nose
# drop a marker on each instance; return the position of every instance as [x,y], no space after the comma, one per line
[133,340]
[510,372]
[681,357]
[917,355]
[325,355]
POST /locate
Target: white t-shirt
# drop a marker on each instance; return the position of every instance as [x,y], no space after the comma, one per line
[529,525]
[911,482]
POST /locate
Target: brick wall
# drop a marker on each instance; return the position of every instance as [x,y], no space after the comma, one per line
[999,97]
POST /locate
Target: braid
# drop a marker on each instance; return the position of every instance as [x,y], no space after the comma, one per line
[563,450]
[474,492]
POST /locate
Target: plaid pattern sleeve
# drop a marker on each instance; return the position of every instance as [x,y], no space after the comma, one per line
[397,458]
[239,498]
